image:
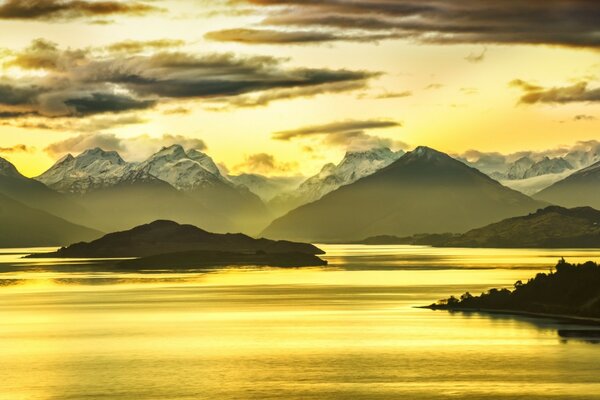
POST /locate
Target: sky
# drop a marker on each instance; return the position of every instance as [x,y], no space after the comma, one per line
[281,87]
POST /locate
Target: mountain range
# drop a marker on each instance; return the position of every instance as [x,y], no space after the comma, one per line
[173,183]
[423,191]
[369,193]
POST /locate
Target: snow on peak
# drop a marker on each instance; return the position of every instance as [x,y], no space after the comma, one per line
[92,169]
[205,161]
[354,166]
[184,171]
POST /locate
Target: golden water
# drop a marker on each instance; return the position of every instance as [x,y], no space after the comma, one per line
[348,331]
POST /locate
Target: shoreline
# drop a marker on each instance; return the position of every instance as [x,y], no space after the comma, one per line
[559,317]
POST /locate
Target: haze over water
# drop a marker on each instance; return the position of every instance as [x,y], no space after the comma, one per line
[348,331]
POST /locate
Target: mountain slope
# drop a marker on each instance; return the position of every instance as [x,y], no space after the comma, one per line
[551,227]
[424,191]
[581,188]
[23,226]
[161,237]
[354,166]
[139,197]
[37,195]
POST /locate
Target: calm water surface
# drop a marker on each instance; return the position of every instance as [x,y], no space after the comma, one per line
[348,331]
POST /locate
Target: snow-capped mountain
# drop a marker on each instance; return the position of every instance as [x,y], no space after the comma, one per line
[354,166]
[176,167]
[548,166]
[93,169]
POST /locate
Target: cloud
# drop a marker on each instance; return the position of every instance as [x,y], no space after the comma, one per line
[349,134]
[264,163]
[335,128]
[71,9]
[385,95]
[132,148]
[79,83]
[272,36]
[434,86]
[474,58]
[18,148]
[135,46]
[552,22]
[95,124]
[578,92]
[584,117]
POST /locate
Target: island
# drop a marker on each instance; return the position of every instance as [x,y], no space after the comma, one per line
[570,291]
[168,245]
[550,227]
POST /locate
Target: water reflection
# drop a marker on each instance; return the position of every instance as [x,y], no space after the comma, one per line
[346,331]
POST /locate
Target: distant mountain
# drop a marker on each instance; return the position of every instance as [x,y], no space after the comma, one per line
[581,188]
[23,226]
[423,191]
[519,168]
[37,195]
[171,184]
[161,237]
[266,187]
[551,227]
[354,166]
[531,186]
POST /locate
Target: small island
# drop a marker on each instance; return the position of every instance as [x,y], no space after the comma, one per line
[169,245]
[571,291]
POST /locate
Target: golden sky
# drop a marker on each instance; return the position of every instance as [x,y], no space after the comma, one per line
[230,76]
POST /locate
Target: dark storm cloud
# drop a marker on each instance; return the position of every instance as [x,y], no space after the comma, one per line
[553,22]
[98,103]
[578,92]
[71,9]
[80,83]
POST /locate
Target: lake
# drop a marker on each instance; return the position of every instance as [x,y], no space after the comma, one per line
[347,331]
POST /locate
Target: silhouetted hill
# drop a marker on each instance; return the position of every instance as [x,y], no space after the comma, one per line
[161,237]
[23,226]
[581,188]
[570,291]
[423,191]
